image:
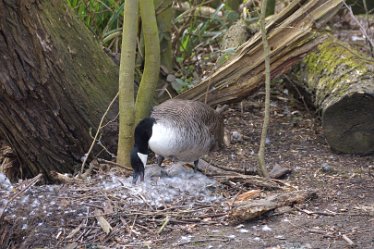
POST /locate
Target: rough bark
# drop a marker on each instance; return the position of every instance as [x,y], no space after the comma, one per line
[291,35]
[55,82]
[340,82]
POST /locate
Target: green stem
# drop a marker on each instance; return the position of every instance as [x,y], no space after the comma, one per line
[261,153]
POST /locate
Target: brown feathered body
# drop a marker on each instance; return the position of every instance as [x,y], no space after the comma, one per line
[185,130]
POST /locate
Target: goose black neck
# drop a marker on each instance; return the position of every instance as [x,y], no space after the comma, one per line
[143,133]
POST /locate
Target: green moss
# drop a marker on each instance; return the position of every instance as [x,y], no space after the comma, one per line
[330,69]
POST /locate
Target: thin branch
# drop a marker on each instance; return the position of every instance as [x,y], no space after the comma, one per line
[261,152]
[362,28]
[28,185]
[97,133]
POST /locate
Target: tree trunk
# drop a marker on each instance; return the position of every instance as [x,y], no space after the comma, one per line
[55,84]
[270,8]
[291,35]
[148,83]
[126,86]
[165,19]
[341,83]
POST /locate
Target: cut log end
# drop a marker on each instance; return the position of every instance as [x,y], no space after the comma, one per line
[349,124]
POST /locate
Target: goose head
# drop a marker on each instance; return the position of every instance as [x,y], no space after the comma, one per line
[139,152]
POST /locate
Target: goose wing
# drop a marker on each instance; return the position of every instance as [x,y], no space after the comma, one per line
[197,123]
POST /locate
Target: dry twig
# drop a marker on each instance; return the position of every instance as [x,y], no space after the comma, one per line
[348,240]
[28,184]
[97,132]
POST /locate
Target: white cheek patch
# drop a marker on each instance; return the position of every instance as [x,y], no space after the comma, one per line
[143,157]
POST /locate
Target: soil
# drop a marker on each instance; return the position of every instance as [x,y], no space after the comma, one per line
[344,185]
[342,216]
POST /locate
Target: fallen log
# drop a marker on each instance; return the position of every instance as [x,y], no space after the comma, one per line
[251,209]
[340,81]
[290,34]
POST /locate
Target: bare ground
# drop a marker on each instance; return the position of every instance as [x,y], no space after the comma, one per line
[342,214]
[344,183]
[69,216]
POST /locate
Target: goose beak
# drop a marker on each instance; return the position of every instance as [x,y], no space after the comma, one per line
[138,161]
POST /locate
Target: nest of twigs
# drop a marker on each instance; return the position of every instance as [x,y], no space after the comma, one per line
[105,209]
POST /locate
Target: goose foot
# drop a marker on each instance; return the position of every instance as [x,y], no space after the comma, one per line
[159,159]
[195,163]
[164,173]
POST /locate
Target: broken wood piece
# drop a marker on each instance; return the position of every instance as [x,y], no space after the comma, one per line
[291,35]
[249,195]
[65,179]
[209,169]
[248,210]
[249,180]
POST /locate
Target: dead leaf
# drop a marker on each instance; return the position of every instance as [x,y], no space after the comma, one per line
[251,194]
[104,224]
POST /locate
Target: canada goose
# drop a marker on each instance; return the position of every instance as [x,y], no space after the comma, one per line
[179,129]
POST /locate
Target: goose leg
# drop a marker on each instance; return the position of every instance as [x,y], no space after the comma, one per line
[195,163]
[160,159]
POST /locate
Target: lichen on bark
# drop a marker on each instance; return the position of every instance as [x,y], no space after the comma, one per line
[341,83]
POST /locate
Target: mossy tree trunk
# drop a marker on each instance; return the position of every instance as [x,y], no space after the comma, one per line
[148,84]
[130,113]
[165,25]
[126,82]
[341,83]
[270,8]
[55,83]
